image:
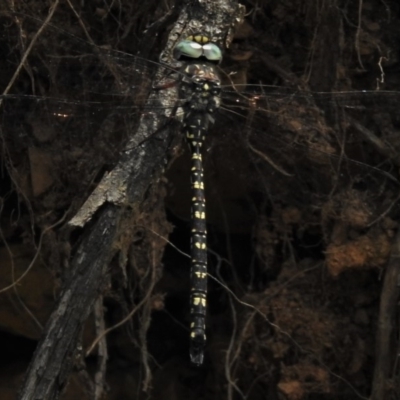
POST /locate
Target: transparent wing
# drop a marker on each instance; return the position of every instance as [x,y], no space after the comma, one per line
[300,148]
[72,104]
[77,102]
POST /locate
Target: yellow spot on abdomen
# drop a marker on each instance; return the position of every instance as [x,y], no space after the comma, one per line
[200,215]
[199,301]
[198,185]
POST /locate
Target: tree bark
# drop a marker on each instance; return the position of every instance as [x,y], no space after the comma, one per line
[120,191]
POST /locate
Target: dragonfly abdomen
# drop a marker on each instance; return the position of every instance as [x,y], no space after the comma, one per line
[201,90]
[198,258]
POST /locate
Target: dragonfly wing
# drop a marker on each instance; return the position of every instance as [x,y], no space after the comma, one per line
[75,105]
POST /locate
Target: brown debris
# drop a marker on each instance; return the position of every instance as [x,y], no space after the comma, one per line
[365,252]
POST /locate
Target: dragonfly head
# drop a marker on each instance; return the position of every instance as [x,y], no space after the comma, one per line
[198,47]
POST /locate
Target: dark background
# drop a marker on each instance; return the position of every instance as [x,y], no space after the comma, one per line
[302,212]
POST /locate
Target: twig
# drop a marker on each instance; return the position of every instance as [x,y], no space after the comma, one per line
[385,338]
[32,263]
[357,44]
[102,355]
[28,50]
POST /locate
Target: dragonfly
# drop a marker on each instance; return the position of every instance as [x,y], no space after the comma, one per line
[76,105]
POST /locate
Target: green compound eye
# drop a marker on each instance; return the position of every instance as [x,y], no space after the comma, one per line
[188,48]
[212,52]
[191,49]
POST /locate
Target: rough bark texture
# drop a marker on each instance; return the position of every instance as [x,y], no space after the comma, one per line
[302,194]
[124,189]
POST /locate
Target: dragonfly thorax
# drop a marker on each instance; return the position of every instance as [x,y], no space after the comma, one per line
[201,88]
